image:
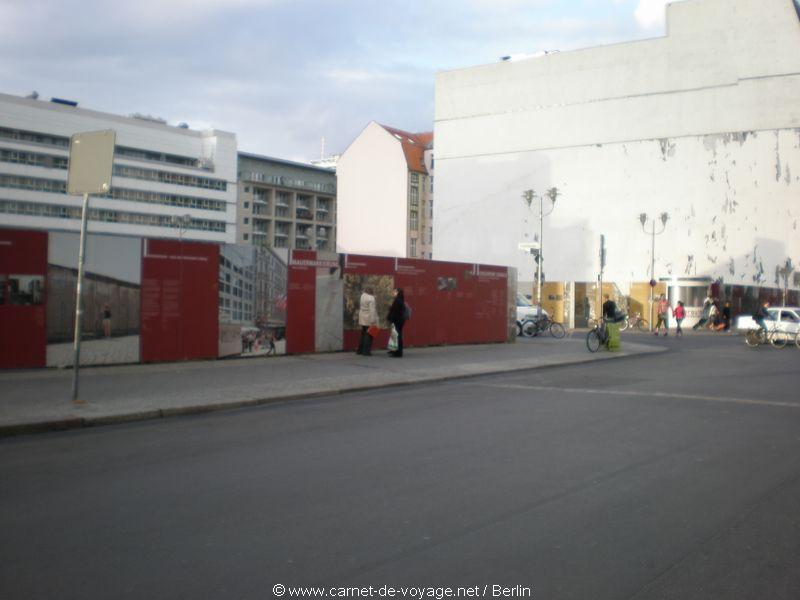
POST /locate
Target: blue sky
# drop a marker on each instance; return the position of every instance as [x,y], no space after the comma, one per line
[282,74]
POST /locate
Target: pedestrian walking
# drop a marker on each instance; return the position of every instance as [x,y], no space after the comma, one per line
[679,312]
[398,313]
[367,317]
[662,309]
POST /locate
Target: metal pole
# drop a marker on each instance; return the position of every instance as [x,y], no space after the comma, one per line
[652,271]
[539,258]
[78,303]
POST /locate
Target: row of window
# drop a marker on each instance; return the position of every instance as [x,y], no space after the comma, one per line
[169,177]
[57,141]
[33,159]
[16,207]
[49,161]
[55,186]
[282,180]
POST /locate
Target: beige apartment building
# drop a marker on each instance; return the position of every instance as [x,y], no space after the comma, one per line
[284,204]
[385,194]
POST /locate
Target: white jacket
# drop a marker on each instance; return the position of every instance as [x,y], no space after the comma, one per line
[367,310]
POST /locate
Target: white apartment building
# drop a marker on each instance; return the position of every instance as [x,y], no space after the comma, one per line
[702,124]
[168,182]
[385,193]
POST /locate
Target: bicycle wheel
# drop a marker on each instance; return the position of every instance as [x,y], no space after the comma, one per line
[753,338]
[529,328]
[642,325]
[624,324]
[557,330]
[779,339]
[593,341]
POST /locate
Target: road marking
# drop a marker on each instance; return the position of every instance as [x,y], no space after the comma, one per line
[612,392]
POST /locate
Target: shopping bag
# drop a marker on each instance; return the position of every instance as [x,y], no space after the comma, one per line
[392,345]
[373,330]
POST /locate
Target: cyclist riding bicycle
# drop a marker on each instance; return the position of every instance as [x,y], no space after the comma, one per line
[762,314]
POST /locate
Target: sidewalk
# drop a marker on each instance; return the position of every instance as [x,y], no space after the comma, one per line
[33,401]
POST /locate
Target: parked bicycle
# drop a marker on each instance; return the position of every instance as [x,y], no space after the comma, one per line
[634,322]
[543,324]
[757,336]
[597,337]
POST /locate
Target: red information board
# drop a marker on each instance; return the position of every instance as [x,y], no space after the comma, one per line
[179,300]
[23,273]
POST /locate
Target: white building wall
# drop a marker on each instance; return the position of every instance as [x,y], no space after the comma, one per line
[702,124]
[39,116]
[372,195]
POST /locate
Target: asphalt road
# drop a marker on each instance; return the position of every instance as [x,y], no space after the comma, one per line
[668,476]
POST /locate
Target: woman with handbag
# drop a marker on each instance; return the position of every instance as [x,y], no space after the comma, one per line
[397,317]
[367,319]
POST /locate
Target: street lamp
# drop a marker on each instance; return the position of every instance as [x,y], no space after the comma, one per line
[529,196]
[182,222]
[643,219]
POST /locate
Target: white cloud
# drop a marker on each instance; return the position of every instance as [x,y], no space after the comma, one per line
[650,13]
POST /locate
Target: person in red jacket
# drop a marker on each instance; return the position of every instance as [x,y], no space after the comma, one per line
[679,312]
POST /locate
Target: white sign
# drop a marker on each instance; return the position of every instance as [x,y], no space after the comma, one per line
[91,162]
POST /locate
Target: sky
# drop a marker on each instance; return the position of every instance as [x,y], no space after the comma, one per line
[283,74]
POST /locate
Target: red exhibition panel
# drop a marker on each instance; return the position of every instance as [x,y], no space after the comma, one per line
[23,271]
[302,304]
[380,266]
[180,300]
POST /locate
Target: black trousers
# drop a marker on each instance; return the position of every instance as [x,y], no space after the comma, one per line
[365,342]
[399,328]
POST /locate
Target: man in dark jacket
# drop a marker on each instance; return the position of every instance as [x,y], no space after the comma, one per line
[762,315]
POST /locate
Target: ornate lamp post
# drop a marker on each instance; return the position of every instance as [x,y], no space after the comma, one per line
[644,219]
[529,196]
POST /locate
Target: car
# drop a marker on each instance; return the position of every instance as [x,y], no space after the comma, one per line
[782,318]
[526,311]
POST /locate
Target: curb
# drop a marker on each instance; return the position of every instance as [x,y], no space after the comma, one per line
[71,423]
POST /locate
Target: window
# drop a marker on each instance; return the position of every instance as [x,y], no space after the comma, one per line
[413,221]
[413,195]
[246,190]
[431,184]
[430,208]
[246,205]
[414,178]
[108,216]
[430,235]
[246,221]
[246,236]
[413,250]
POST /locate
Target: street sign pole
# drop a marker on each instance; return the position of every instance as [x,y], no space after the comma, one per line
[76,344]
[91,165]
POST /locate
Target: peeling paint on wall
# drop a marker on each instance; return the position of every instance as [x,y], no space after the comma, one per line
[667,148]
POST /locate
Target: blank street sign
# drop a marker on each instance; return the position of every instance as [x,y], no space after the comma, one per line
[91,160]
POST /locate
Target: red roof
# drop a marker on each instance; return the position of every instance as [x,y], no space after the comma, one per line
[414,146]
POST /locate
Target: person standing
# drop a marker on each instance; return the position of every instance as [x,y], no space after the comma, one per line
[679,312]
[397,317]
[106,320]
[609,310]
[367,316]
[662,309]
